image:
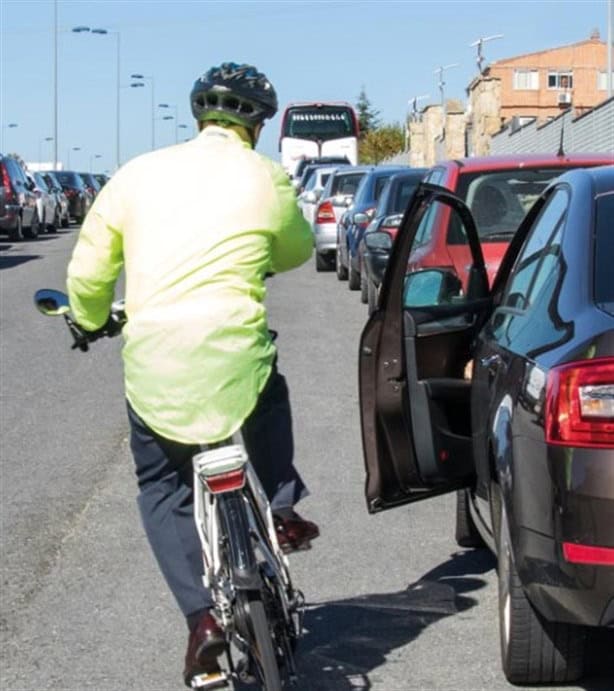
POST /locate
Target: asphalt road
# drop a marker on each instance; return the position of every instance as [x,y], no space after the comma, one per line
[394,605]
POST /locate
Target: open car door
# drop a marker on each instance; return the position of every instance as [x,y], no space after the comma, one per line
[414,389]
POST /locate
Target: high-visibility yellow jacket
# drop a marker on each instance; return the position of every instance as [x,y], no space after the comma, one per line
[196,226]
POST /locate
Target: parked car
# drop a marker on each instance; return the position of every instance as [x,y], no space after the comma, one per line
[60,198]
[354,221]
[507,394]
[91,184]
[309,197]
[387,218]
[79,200]
[336,196]
[45,203]
[18,212]
[499,190]
[101,179]
[321,161]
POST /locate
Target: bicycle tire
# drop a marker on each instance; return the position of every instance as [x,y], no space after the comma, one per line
[264,652]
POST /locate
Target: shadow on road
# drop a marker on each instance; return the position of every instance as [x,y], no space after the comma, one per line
[8,262]
[345,640]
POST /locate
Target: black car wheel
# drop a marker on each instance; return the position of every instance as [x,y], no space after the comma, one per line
[16,233]
[322,263]
[55,224]
[371,296]
[466,533]
[342,272]
[533,650]
[353,275]
[364,289]
[33,229]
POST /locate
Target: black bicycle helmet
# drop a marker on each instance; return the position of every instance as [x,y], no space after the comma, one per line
[236,93]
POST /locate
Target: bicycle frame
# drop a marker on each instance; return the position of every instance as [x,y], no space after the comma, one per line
[223,582]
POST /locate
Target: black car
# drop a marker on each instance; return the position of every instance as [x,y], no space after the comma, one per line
[79,200]
[354,222]
[386,218]
[506,395]
[18,214]
[101,179]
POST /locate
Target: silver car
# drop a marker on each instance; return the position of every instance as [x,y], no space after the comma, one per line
[309,197]
[335,198]
[45,202]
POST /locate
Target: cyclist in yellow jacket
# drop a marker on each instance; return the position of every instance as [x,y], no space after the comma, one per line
[197,227]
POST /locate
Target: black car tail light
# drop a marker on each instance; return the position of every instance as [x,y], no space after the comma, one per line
[9,192]
[325,213]
[580,404]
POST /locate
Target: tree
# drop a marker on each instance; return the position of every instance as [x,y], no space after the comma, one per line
[381,143]
[368,117]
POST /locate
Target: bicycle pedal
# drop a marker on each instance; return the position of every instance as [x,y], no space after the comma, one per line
[217,680]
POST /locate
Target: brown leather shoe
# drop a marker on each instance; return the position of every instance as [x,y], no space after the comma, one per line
[294,533]
[206,643]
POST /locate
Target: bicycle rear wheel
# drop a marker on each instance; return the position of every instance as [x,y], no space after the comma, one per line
[263,648]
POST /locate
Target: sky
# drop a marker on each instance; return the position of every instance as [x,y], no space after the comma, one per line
[317,50]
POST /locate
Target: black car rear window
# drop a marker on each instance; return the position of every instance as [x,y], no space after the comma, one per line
[604,253]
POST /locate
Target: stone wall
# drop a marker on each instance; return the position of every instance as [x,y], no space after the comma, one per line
[485,109]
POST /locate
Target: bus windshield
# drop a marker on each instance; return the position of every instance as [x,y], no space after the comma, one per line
[319,123]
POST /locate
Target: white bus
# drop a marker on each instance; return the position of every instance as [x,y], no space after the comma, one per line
[315,130]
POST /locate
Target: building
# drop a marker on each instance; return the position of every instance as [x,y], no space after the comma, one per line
[536,87]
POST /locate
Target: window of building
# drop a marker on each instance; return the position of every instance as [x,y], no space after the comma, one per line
[602,80]
[526,79]
[560,80]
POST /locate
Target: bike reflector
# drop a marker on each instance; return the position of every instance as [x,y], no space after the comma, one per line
[226,482]
[223,469]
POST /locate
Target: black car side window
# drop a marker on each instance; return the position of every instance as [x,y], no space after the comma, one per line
[525,312]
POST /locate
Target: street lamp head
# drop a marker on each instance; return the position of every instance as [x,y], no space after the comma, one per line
[48,139]
[182,127]
[80,29]
[163,105]
[168,117]
[137,76]
[134,85]
[12,124]
[99,31]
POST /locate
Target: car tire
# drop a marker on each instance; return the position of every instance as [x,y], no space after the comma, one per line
[65,221]
[341,271]
[322,263]
[16,233]
[353,275]
[31,232]
[364,289]
[55,224]
[371,296]
[466,532]
[533,650]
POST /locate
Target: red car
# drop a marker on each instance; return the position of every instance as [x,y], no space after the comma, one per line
[498,190]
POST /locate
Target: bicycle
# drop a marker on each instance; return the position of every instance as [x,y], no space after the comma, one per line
[258,608]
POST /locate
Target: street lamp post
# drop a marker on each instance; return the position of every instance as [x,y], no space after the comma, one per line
[116,34]
[170,117]
[145,77]
[92,157]
[40,143]
[9,126]
[74,148]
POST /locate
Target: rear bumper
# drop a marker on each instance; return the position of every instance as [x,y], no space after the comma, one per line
[8,220]
[566,497]
[325,237]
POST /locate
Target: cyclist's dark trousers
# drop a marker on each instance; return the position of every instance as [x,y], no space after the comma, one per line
[164,474]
